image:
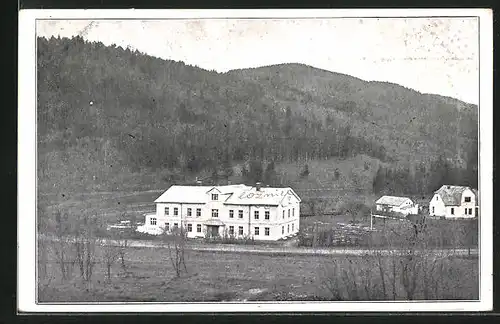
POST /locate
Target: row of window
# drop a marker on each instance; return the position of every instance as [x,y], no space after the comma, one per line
[153,221]
[287,228]
[257,230]
[293,213]
[231,228]
[189,211]
[215,213]
[189,227]
[468,211]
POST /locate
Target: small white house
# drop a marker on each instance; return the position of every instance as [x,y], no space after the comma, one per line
[454,202]
[237,210]
[393,204]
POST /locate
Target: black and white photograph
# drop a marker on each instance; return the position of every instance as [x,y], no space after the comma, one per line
[255,160]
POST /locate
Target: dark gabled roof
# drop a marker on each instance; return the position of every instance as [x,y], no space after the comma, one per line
[452,195]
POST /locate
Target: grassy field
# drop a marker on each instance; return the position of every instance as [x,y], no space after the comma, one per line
[110,206]
[137,193]
[239,276]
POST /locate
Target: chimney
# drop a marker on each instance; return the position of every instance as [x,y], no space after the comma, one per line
[228,182]
[258,186]
[198,182]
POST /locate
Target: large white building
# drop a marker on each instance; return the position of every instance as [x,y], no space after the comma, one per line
[238,210]
[454,202]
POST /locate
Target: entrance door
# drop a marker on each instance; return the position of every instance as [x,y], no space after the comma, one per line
[213,231]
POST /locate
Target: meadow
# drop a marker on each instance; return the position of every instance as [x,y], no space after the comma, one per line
[215,277]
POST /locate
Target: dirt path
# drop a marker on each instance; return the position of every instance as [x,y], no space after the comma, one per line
[287,250]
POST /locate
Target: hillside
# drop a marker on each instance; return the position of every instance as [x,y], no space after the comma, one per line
[401,119]
[105,113]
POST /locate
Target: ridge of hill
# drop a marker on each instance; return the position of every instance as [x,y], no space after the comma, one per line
[104,112]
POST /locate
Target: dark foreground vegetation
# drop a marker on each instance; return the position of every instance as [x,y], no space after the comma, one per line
[149,275]
[81,266]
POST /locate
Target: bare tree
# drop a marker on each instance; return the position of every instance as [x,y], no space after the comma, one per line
[332,281]
[123,245]
[176,244]
[84,242]
[402,257]
[62,245]
[110,255]
[43,225]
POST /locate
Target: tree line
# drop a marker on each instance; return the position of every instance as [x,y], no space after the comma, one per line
[104,110]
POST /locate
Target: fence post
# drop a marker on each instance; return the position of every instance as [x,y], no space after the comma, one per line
[371,221]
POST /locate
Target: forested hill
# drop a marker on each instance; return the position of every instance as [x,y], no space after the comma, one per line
[109,111]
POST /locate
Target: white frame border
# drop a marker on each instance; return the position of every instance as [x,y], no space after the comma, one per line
[27,166]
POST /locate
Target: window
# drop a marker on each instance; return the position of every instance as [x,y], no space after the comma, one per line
[176,211]
[198,212]
[256,214]
[215,196]
[467,199]
[231,213]
[256,231]
[266,231]
[231,230]
[189,212]
[240,230]
[293,212]
[266,214]
[437,197]
[167,227]
[452,211]
[470,211]
[283,214]
[288,228]
[240,213]
[465,211]
[433,210]
[167,212]
[198,228]
[289,213]
[215,213]
[282,229]
[293,227]
[176,225]
[190,227]
[152,221]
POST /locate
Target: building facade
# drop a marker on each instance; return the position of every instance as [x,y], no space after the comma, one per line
[239,211]
[394,204]
[454,202]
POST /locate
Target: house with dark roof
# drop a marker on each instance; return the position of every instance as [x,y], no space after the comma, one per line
[454,202]
[263,213]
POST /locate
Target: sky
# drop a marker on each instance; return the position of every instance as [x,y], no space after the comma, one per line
[430,55]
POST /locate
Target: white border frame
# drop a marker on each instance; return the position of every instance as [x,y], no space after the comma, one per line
[27,166]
